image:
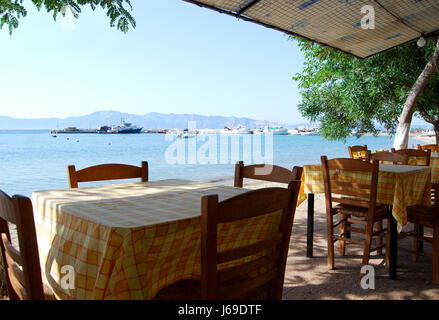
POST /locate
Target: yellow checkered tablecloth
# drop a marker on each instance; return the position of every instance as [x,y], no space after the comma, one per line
[434,164]
[128,241]
[398,185]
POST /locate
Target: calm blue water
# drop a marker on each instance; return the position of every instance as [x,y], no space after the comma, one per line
[34,160]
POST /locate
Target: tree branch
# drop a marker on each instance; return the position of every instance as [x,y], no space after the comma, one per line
[426,116]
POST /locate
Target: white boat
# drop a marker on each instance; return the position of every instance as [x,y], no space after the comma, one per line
[186,135]
[240,129]
[276,130]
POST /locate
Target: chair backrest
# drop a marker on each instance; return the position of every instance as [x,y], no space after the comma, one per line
[271,252]
[23,273]
[265,172]
[111,171]
[416,154]
[361,193]
[432,147]
[395,158]
[357,152]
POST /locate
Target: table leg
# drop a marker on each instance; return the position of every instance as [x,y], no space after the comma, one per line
[310,226]
[393,254]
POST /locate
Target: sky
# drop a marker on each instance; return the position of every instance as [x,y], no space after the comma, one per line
[180,58]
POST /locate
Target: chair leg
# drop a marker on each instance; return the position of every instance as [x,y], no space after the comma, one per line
[388,243]
[329,231]
[380,238]
[436,255]
[416,241]
[343,233]
[367,242]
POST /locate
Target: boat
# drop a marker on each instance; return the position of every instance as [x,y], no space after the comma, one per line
[103,129]
[186,134]
[124,128]
[240,129]
[55,132]
[276,130]
[72,130]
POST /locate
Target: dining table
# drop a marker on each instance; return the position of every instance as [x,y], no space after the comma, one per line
[130,240]
[434,164]
[398,185]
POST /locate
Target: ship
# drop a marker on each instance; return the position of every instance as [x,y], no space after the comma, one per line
[125,127]
[240,129]
[276,130]
[186,134]
[103,129]
[71,130]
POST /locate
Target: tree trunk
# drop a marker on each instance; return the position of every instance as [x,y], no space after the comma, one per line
[403,130]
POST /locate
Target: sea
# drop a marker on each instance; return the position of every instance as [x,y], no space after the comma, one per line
[34,160]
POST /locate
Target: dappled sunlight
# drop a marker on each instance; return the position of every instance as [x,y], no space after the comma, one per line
[311,279]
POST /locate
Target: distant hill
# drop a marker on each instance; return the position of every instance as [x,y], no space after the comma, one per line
[151,120]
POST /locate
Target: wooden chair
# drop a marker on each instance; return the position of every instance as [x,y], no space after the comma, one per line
[112,171]
[23,273]
[356,205]
[271,253]
[395,158]
[426,217]
[432,147]
[267,172]
[357,152]
[425,156]
[418,154]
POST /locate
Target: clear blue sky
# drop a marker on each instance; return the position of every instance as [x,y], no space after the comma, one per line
[179,59]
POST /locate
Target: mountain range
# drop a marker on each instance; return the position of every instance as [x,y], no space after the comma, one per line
[152,120]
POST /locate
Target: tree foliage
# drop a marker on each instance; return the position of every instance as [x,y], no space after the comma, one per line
[346,94]
[13,10]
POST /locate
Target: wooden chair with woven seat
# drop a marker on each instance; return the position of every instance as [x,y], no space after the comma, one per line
[432,147]
[356,205]
[427,217]
[267,256]
[386,157]
[111,171]
[395,158]
[357,152]
[265,172]
[424,156]
[23,273]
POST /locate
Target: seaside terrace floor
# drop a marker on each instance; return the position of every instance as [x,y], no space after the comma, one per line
[310,278]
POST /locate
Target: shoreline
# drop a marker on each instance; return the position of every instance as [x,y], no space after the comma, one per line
[425,139]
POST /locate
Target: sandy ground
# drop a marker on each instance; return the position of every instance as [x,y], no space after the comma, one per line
[311,279]
[424,139]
